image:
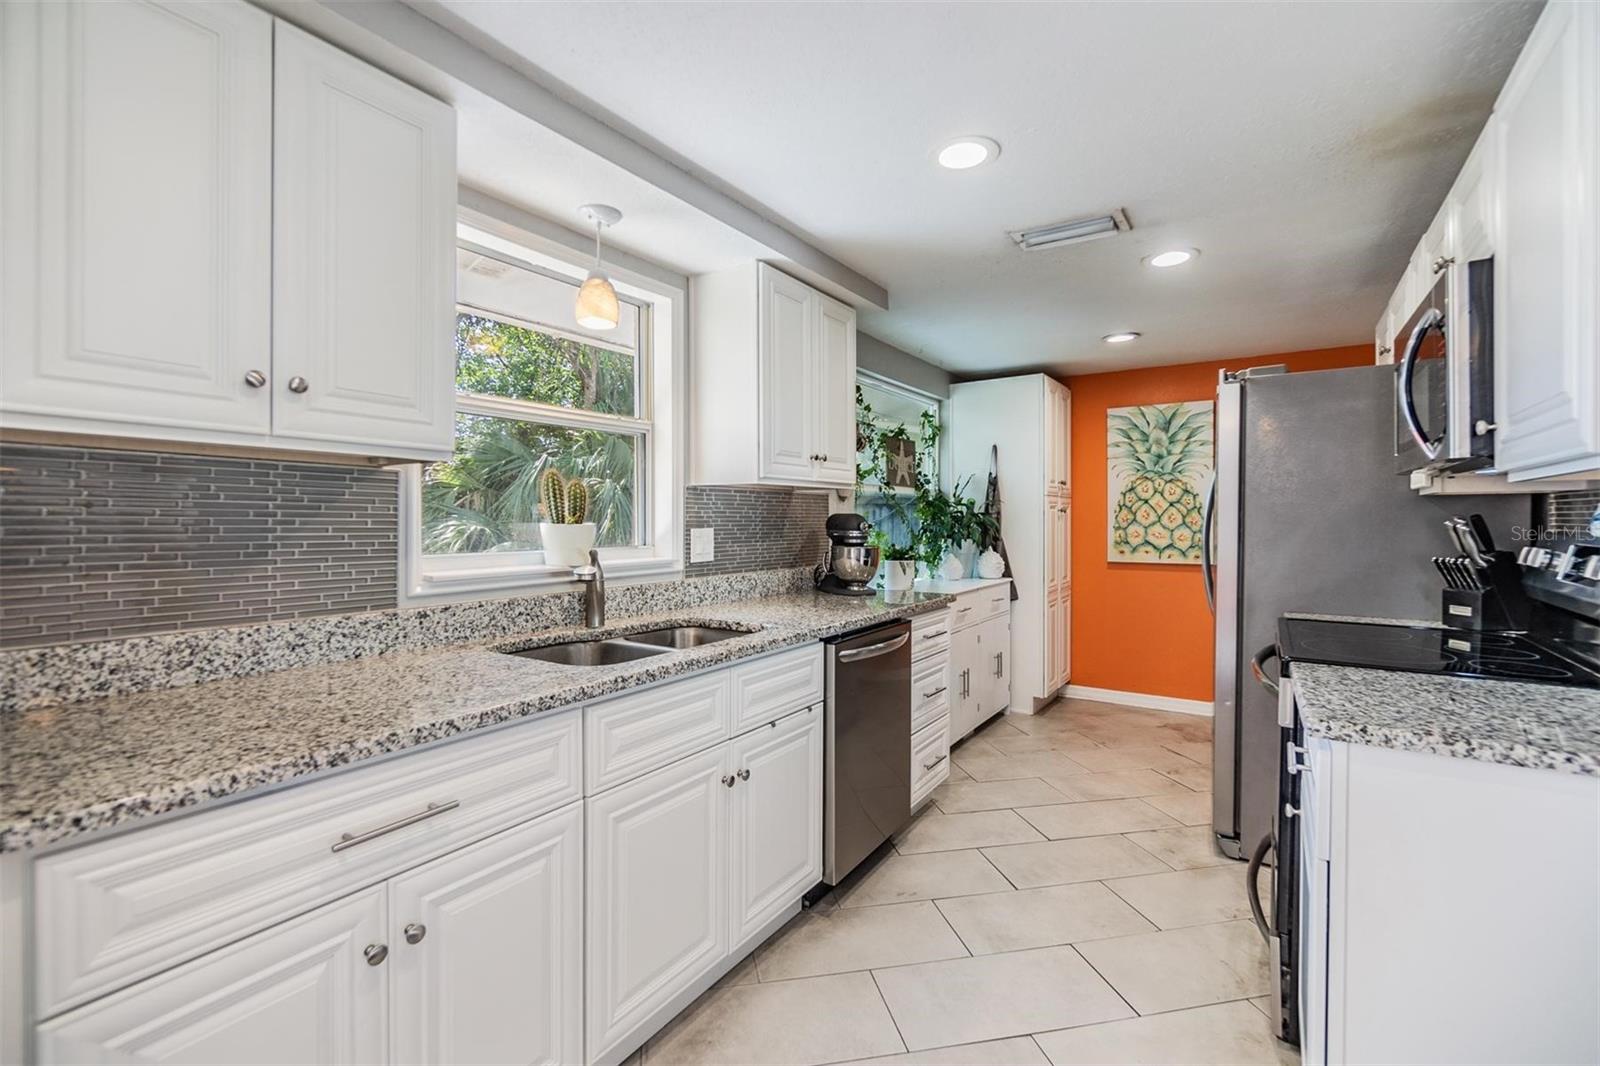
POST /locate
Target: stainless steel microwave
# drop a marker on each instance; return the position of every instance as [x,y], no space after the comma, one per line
[1444,382]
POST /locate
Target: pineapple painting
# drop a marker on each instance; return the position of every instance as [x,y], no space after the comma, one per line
[1159,464]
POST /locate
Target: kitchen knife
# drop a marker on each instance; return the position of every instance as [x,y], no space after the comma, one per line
[1480,529]
[1454,530]
[1468,540]
[1444,571]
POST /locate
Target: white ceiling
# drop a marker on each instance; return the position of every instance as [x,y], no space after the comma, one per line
[1303,147]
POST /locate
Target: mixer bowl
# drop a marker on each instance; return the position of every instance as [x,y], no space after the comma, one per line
[855,565]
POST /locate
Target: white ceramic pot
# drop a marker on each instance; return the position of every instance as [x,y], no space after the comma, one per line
[566,544]
[951,569]
[899,574]
[991,564]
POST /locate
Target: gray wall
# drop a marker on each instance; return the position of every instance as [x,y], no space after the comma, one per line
[97,544]
[896,365]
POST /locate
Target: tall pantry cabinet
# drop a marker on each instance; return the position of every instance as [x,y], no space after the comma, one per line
[1029,420]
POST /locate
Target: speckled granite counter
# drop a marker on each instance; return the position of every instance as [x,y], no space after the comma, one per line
[1552,727]
[71,768]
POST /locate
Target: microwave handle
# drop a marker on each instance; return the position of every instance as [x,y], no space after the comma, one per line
[1434,318]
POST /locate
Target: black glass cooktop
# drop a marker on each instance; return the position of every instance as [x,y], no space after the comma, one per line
[1421,650]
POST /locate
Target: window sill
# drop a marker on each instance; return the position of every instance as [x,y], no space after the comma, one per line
[446,586]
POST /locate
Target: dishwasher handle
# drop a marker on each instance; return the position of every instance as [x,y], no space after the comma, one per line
[872,651]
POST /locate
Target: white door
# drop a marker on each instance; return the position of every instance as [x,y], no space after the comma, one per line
[836,392]
[788,377]
[966,666]
[306,991]
[1547,389]
[1058,637]
[776,819]
[656,904]
[487,949]
[994,669]
[137,213]
[364,186]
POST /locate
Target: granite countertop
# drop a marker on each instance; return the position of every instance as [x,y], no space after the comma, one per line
[1519,723]
[72,768]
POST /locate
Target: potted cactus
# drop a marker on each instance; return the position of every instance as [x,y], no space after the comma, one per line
[564,503]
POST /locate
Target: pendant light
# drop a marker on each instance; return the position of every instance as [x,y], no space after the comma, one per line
[597,300]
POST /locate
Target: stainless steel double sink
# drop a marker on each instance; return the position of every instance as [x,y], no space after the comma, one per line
[630,646]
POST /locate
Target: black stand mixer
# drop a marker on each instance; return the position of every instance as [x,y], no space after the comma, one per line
[851,563]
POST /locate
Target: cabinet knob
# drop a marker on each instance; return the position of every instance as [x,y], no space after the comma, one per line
[1483,427]
[728,779]
[375,954]
[298,384]
[824,456]
[744,775]
[415,932]
[1443,261]
[255,379]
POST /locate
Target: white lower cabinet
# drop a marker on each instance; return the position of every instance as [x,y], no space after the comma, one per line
[486,946]
[688,863]
[657,906]
[303,991]
[980,658]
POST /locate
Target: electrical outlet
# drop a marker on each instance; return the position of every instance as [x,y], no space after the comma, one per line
[702,547]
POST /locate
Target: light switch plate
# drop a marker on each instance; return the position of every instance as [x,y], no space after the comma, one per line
[702,547]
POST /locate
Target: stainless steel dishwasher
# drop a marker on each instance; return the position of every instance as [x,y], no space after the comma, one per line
[867,783]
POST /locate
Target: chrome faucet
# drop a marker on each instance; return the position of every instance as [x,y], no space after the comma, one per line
[594,590]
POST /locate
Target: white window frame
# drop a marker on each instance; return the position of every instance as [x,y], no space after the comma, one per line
[426,579]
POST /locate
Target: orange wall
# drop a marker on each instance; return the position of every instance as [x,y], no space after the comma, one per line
[1144,627]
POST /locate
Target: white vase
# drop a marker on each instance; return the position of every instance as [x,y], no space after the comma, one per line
[566,544]
[951,569]
[899,574]
[991,564]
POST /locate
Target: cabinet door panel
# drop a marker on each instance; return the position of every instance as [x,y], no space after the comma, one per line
[300,992]
[777,819]
[1545,332]
[137,255]
[788,377]
[364,264]
[497,975]
[835,398]
[656,903]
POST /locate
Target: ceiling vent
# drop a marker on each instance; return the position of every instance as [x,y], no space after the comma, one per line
[1072,231]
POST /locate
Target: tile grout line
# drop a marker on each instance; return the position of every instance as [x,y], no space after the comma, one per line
[889,1011]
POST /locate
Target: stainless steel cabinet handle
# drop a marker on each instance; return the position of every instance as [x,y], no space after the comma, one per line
[744,775]
[936,762]
[415,932]
[1292,758]
[728,779]
[255,378]
[930,634]
[935,692]
[350,840]
[963,610]
[375,954]
[298,384]
[1002,657]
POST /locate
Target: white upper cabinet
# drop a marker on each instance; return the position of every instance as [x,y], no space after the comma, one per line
[363,315]
[774,369]
[137,212]
[312,991]
[1547,288]
[231,233]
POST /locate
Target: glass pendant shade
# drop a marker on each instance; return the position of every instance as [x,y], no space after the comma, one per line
[597,302]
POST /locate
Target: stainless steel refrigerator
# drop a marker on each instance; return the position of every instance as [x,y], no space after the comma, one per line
[1307,515]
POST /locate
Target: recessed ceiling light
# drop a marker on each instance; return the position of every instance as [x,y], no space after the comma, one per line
[1119,338]
[964,153]
[1176,257]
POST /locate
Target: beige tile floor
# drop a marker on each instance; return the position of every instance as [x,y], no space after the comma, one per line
[1060,901]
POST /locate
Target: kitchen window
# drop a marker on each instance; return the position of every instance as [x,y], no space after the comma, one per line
[535,392]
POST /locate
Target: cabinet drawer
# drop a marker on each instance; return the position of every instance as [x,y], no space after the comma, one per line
[994,602]
[634,734]
[930,689]
[112,912]
[930,634]
[769,688]
[969,609]
[930,759]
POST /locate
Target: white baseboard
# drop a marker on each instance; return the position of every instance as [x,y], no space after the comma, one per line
[1139,699]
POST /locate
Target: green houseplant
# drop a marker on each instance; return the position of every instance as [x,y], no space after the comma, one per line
[949,520]
[564,503]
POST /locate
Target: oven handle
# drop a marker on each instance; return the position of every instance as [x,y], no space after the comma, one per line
[1207,577]
[1258,667]
[1252,887]
[872,651]
[1433,318]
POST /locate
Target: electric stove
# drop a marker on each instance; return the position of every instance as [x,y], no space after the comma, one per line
[1500,656]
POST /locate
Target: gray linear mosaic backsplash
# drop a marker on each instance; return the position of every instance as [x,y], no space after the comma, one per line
[97,544]
[757,527]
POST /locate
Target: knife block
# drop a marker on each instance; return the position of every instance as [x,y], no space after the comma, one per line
[1501,604]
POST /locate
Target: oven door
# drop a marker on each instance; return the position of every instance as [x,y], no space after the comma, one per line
[1422,385]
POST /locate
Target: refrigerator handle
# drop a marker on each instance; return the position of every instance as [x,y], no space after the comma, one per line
[1207,576]
[1258,667]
